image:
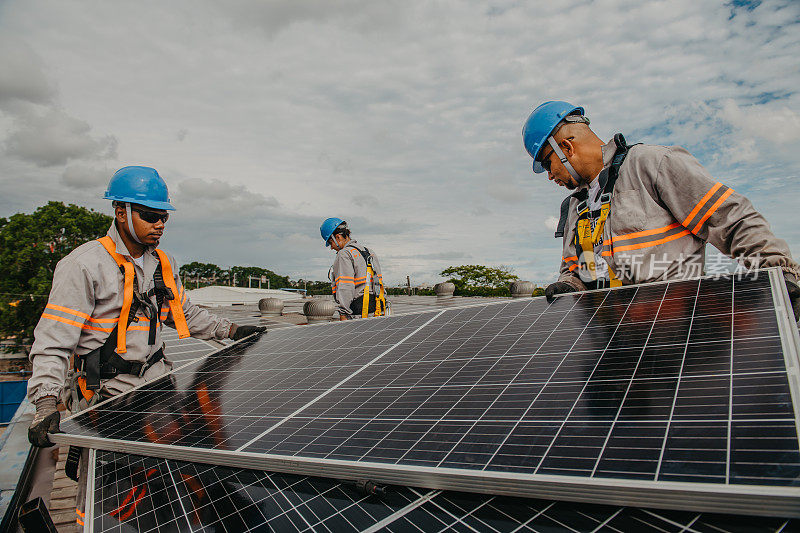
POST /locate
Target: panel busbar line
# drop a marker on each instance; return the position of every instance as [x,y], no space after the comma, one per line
[155,495]
[671,394]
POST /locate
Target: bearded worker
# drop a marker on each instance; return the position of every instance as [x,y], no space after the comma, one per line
[641,213]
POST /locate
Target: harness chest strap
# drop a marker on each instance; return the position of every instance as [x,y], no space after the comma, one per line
[585,237]
[126,266]
[175,305]
[127,291]
[380,299]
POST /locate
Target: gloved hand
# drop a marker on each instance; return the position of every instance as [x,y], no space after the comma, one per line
[239,332]
[559,287]
[794,294]
[44,421]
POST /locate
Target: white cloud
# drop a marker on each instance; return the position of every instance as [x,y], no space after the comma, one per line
[267,117]
[55,138]
[83,177]
[22,76]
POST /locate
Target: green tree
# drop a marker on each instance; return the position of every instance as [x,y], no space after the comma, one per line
[466,277]
[242,274]
[312,287]
[206,273]
[30,247]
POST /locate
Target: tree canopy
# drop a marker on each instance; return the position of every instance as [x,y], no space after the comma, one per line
[197,274]
[30,247]
[480,280]
[479,276]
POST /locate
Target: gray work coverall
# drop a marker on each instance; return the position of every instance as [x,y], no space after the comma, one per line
[83,307]
[349,275]
[665,207]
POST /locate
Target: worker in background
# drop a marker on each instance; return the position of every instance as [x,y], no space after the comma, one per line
[641,213]
[356,278]
[109,300]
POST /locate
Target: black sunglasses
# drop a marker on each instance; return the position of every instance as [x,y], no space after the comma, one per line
[151,217]
[545,162]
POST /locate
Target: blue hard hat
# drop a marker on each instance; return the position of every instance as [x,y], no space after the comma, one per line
[328,227]
[139,185]
[540,126]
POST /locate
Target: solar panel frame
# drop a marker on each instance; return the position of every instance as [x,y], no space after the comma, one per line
[777,501]
[330,505]
[88,507]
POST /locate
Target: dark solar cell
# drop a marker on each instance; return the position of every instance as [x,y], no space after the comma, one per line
[135,493]
[664,382]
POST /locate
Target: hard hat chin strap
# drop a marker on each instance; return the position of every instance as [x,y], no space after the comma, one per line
[130,223]
[563,158]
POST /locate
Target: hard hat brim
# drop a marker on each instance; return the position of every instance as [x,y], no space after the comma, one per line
[152,204]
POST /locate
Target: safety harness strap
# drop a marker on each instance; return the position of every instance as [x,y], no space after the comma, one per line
[586,237]
[562,220]
[71,465]
[105,362]
[127,292]
[175,305]
[380,298]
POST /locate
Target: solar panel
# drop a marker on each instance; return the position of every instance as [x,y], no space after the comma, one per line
[680,394]
[183,350]
[150,494]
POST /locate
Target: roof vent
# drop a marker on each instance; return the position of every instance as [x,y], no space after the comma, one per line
[270,306]
[317,310]
[444,290]
[522,289]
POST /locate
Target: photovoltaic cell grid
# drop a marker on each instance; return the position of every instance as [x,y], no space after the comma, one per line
[675,382]
[148,494]
[183,350]
[681,381]
[229,397]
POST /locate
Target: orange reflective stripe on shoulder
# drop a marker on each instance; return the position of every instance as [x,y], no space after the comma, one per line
[712,210]
[701,203]
[127,291]
[175,304]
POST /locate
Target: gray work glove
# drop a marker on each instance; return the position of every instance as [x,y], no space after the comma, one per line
[239,332]
[44,421]
[794,294]
[559,287]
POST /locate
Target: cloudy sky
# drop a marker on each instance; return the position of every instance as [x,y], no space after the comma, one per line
[401,117]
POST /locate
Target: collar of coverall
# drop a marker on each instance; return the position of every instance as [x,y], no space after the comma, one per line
[120,244]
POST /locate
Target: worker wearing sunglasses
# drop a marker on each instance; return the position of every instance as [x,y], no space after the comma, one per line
[109,300]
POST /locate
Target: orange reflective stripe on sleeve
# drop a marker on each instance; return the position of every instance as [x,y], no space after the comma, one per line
[178,318]
[644,233]
[701,203]
[574,260]
[651,243]
[73,323]
[712,210]
[80,314]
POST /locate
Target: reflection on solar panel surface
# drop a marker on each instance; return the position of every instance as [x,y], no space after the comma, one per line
[673,382]
[135,493]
